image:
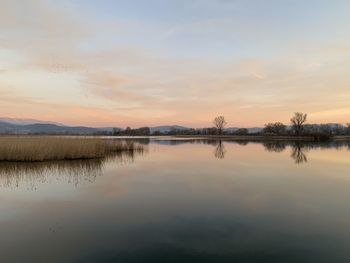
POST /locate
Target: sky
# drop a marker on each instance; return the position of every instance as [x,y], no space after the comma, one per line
[153,62]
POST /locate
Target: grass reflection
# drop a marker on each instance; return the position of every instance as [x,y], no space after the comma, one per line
[14,174]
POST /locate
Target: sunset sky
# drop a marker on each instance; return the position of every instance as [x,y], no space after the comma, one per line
[153,62]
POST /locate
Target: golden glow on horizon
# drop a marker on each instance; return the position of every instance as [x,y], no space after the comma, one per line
[53,68]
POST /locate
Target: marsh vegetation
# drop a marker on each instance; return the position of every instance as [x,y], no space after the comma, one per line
[33,174]
[52,148]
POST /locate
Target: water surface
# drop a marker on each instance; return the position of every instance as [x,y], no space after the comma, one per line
[182,201]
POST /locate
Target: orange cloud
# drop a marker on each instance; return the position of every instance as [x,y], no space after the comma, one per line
[138,86]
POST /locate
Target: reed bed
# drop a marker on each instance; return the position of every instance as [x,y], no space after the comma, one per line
[50,148]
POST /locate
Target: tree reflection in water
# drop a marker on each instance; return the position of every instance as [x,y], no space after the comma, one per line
[298,153]
[14,174]
[220,150]
[299,148]
[274,146]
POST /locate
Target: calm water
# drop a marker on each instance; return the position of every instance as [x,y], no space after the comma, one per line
[182,201]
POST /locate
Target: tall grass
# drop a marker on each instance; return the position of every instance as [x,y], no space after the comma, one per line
[48,148]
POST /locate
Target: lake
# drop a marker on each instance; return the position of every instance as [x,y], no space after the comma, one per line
[182,200]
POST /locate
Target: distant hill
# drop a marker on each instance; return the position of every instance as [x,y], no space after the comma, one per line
[47,128]
[32,126]
[250,130]
[26,121]
[167,128]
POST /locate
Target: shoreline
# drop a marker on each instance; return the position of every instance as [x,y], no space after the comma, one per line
[213,137]
[263,137]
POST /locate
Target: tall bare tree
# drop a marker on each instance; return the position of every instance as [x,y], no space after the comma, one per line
[297,121]
[220,123]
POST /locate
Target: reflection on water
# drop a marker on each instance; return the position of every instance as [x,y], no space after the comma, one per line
[219,150]
[279,146]
[298,153]
[13,173]
[71,171]
[275,146]
[299,149]
[180,203]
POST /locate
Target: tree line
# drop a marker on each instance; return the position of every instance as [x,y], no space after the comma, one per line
[297,127]
[300,127]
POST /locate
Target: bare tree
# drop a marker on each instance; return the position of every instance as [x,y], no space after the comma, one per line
[220,123]
[297,121]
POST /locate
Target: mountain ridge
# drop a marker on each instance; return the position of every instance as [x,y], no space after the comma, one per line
[19,121]
[33,126]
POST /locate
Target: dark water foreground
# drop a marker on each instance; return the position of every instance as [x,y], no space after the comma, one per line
[182,201]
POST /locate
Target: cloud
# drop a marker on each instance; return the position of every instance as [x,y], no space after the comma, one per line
[111,86]
[140,84]
[42,33]
[41,24]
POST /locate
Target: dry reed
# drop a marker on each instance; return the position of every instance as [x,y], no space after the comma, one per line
[48,148]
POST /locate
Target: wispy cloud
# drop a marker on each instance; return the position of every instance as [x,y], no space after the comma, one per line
[81,72]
